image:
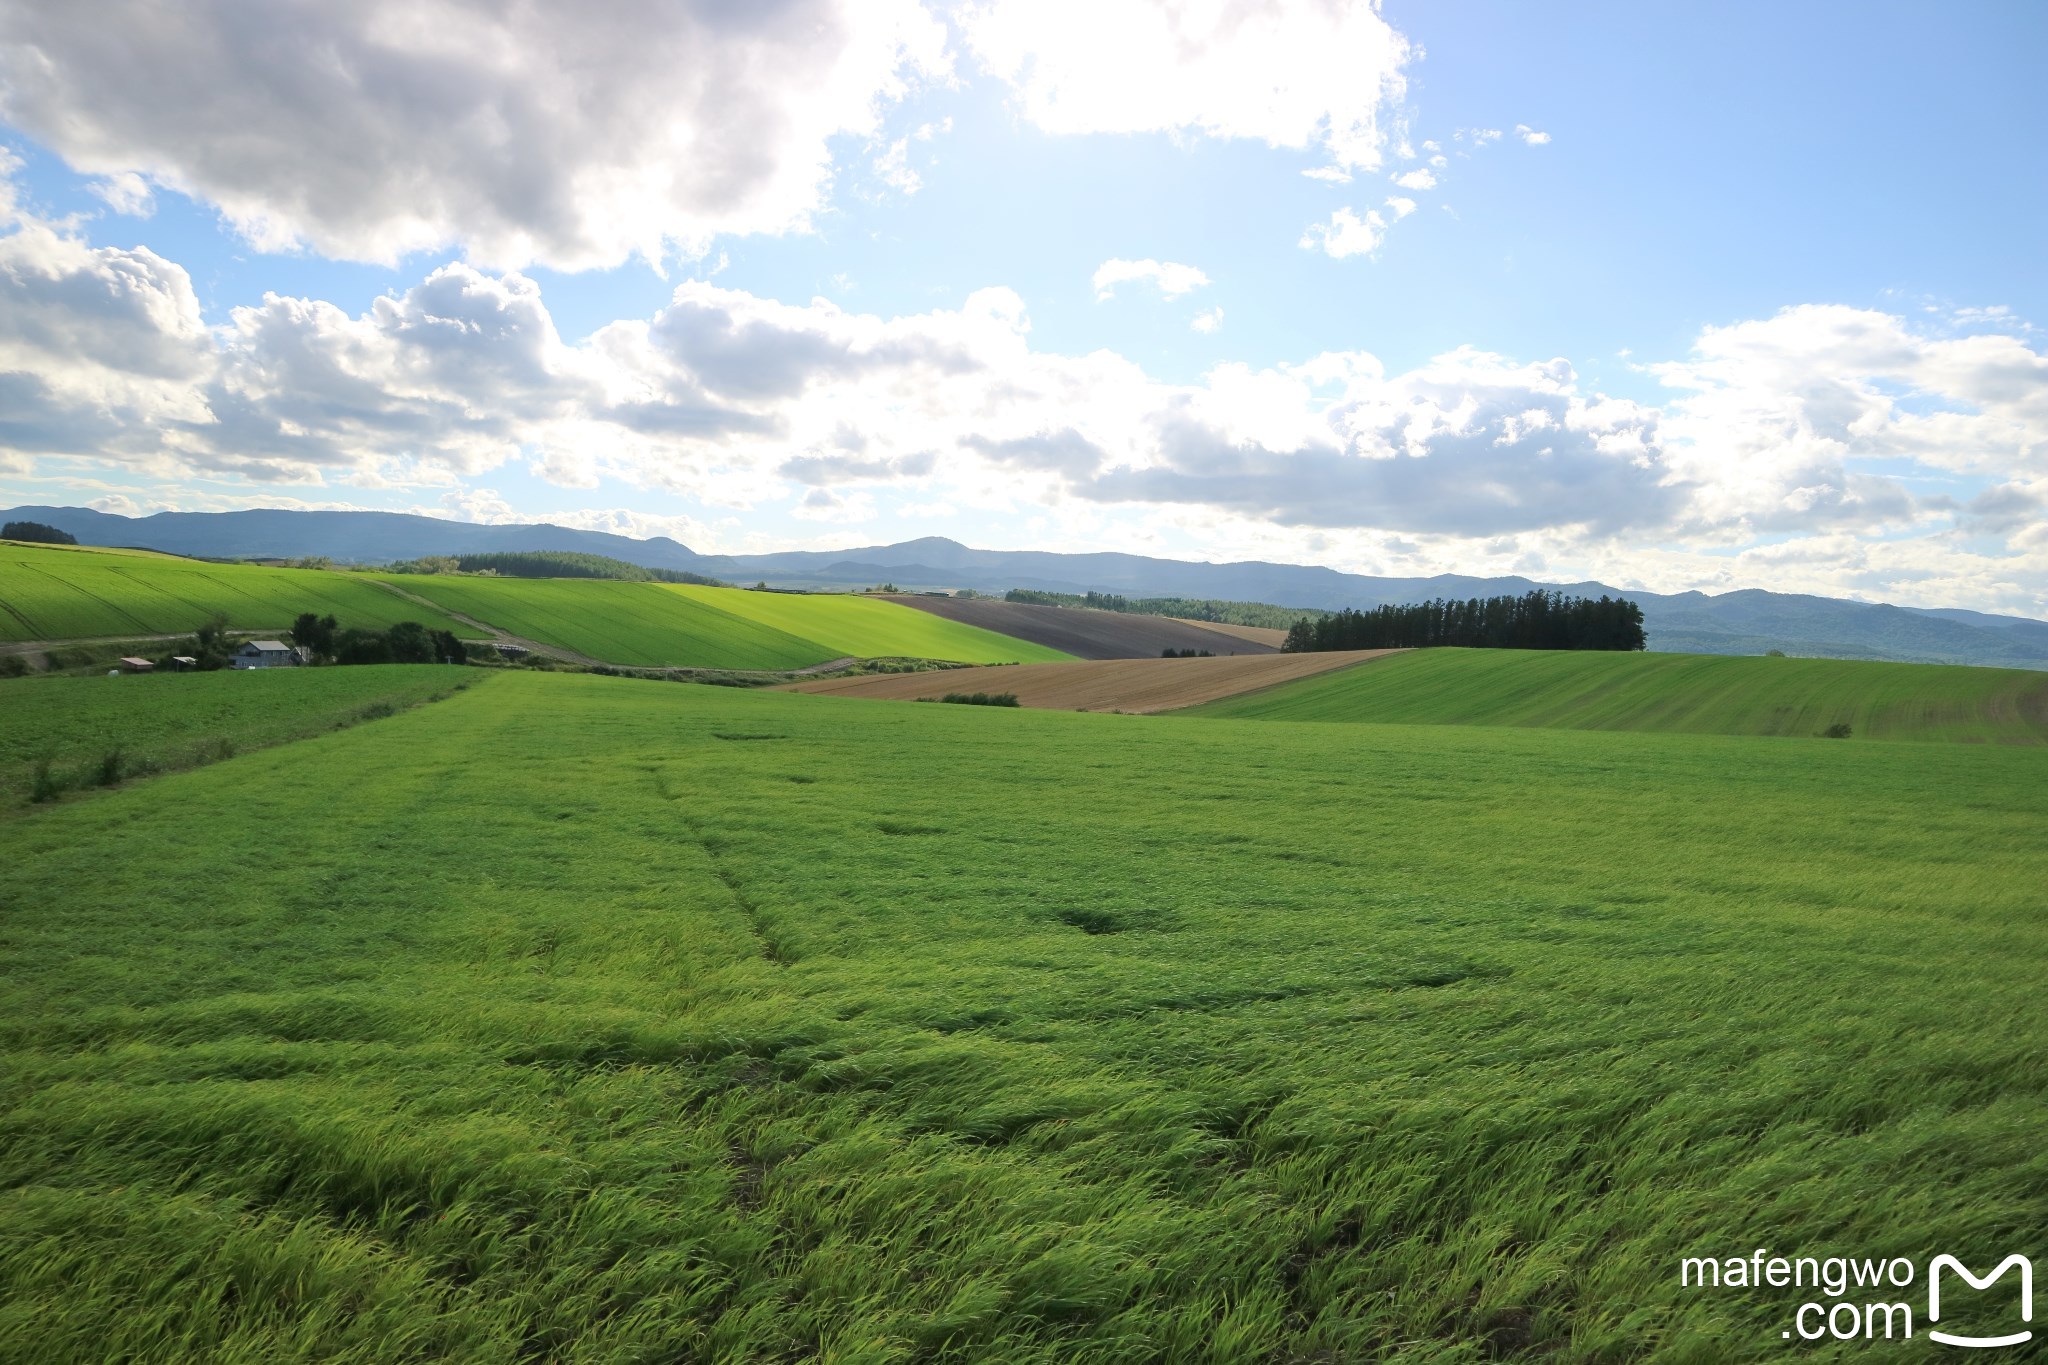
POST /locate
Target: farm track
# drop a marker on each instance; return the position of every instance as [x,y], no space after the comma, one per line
[1085,633]
[1132,686]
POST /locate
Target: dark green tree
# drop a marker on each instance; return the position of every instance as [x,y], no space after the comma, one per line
[37,532]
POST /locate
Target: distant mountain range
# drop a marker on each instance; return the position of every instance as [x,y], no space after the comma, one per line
[1746,622]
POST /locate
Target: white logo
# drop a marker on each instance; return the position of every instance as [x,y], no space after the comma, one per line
[2026,1298]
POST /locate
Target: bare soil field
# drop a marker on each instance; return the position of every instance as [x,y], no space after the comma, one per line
[1271,636]
[1084,633]
[1137,686]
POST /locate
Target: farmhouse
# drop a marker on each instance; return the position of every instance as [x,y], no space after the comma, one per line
[265,654]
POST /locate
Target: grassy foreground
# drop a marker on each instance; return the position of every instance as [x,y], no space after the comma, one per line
[584,1019]
[1695,693]
[50,592]
[88,729]
[659,625]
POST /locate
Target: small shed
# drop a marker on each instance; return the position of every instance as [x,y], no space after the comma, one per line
[183,663]
[134,665]
[265,654]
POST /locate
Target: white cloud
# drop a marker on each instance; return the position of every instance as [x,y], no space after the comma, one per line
[1530,135]
[1172,278]
[1291,73]
[369,129]
[1329,175]
[1417,179]
[125,193]
[1346,234]
[1774,416]
[1824,449]
[1401,207]
[1209,321]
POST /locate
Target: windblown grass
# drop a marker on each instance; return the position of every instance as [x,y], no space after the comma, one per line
[68,727]
[72,592]
[1696,693]
[587,1019]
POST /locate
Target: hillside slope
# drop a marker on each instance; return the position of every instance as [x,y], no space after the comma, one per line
[873,627]
[1743,622]
[65,593]
[1696,693]
[1083,634]
[663,625]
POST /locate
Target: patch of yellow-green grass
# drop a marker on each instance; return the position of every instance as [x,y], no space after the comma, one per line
[1696,693]
[68,592]
[70,734]
[849,624]
[640,625]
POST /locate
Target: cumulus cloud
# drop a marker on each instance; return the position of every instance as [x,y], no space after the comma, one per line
[1797,450]
[1530,135]
[1290,73]
[369,129]
[1773,417]
[1171,278]
[1346,234]
[1417,179]
[1209,321]
[1401,207]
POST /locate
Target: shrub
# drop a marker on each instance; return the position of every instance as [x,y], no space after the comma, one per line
[13,666]
[107,772]
[1839,730]
[46,785]
[981,698]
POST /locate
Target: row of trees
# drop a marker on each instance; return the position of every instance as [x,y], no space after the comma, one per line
[36,532]
[548,564]
[408,642]
[1186,608]
[1535,620]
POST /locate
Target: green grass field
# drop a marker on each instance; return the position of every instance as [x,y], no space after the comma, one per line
[659,625]
[869,628]
[65,592]
[577,1018]
[1693,693]
[178,720]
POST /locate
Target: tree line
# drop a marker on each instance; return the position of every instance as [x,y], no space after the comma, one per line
[1535,620]
[1186,608]
[548,564]
[37,533]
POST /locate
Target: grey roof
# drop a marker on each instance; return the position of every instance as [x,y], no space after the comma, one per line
[267,646]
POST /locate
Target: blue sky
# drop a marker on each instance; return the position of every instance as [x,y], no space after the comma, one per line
[1740,296]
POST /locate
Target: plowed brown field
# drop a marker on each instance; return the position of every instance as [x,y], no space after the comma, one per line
[1131,685]
[1268,636]
[1084,633]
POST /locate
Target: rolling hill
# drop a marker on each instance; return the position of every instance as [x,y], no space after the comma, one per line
[62,593]
[1744,622]
[662,625]
[1701,694]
